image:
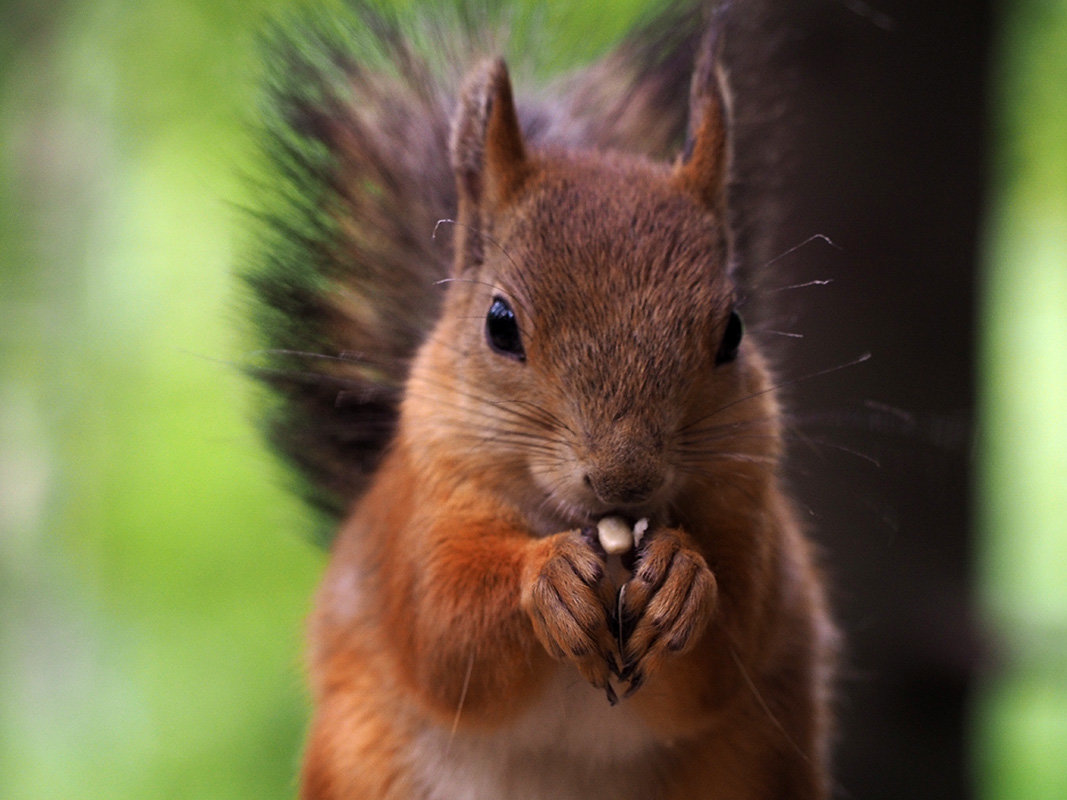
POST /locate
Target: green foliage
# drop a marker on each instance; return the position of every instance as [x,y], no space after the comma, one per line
[1022,731]
[154,571]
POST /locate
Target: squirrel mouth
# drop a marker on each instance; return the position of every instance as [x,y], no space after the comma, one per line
[653,517]
[558,510]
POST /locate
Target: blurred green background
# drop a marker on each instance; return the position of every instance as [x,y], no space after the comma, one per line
[154,570]
[1021,724]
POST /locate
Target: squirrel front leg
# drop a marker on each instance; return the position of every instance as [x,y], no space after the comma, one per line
[568,602]
[667,604]
[483,604]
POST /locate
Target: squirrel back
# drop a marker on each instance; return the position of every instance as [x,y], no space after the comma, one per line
[356,214]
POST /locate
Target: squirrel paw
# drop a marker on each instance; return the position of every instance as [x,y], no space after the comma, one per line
[665,606]
[566,599]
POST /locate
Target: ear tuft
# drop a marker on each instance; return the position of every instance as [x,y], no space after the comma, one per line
[488,154]
[704,167]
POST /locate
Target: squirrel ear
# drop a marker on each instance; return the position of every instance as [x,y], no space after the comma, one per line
[704,166]
[488,154]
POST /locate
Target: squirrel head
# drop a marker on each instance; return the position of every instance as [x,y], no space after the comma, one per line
[589,357]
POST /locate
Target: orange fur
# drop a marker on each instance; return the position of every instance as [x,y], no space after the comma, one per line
[465,641]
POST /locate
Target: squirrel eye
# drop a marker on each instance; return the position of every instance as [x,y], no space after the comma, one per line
[502,330]
[731,339]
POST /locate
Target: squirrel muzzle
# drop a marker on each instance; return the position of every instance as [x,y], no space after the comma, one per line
[624,465]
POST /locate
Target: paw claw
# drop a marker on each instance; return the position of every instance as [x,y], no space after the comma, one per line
[613,665]
[636,682]
[609,691]
[664,607]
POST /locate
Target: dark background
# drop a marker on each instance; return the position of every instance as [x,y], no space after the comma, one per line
[886,138]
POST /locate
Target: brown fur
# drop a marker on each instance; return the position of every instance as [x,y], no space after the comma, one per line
[463,595]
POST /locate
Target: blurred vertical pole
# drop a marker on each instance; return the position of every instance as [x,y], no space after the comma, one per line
[883,130]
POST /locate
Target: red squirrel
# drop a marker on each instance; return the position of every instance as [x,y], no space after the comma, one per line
[472,410]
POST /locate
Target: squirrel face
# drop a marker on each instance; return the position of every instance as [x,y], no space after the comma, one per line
[589,348]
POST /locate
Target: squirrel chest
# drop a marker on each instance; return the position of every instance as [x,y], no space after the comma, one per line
[567,744]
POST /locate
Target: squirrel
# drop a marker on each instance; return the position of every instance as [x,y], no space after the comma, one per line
[471,410]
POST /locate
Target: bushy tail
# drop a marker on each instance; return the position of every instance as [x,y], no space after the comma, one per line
[345,277]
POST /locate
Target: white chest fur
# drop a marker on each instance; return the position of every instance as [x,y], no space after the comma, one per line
[571,745]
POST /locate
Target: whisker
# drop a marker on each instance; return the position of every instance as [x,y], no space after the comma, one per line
[727,456]
[813,443]
[521,410]
[751,684]
[541,413]
[690,429]
[518,272]
[552,501]
[345,357]
[717,427]
[814,237]
[459,706]
[790,382]
[805,285]
[528,444]
[310,377]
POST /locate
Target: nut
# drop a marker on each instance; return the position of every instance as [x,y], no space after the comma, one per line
[615,535]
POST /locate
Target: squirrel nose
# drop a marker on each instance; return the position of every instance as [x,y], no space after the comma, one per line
[631,488]
[624,465]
